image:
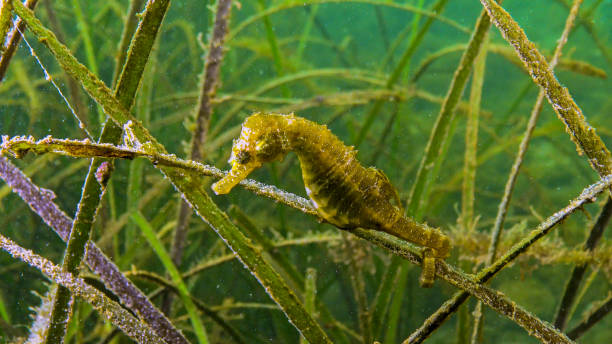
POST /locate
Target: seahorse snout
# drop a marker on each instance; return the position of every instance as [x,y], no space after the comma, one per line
[235,175]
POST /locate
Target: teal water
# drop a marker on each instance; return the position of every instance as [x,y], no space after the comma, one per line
[330,63]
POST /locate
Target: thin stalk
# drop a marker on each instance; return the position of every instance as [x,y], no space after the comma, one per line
[208,89]
[131,21]
[414,32]
[276,54]
[490,297]
[415,41]
[107,308]
[124,94]
[83,28]
[189,186]
[439,133]
[339,50]
[593,318]
[587,22]
[161,253]
[306,32]
[585,288]
[469,180]
[210,78]
[412,29]
[353,253]
[573,283]
[11,43]
[583,135]
[310,294]
[380,22]
[518,162]
[395,309]
[90,55]
[6,13]
[381,301]
[471,142]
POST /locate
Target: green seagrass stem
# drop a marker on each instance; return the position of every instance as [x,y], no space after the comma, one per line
[469,285]
[189,186]
[6,11]
[583,135]
[92,190]
[13,40]
[204,112]
[106,307]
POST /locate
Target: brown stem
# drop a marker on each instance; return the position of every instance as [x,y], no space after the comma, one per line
[592,319]
[571,288]
[75,92]
[13,41]
[518,162]
[210,81]
[41,202]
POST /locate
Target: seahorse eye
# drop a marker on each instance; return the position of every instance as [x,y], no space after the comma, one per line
[268,147]
[243,157]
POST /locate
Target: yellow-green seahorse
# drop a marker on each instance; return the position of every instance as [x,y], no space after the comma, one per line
[345,193]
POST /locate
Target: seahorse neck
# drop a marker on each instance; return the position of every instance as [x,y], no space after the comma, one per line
[308,138]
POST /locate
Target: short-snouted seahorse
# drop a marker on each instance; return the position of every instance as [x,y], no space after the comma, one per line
[345,193]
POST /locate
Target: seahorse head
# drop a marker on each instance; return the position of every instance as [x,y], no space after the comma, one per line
[262,139]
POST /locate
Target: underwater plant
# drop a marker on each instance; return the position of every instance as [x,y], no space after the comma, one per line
[523,217]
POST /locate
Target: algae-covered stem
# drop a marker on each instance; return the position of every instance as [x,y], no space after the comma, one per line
[518,162]
[6,12]
[594,316]
[12,42]
[131,22]
[580,131]
[107,308]
[201,202]
[75,93]
[116,107]
[452,275]
[568,300]
[215,217]
[210,82]
[583,135]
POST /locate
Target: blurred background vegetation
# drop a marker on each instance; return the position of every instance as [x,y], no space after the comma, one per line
[328,62]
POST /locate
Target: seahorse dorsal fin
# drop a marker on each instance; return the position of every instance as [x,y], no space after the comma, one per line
[385,187]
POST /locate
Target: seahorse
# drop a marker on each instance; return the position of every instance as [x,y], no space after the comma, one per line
[344,192]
